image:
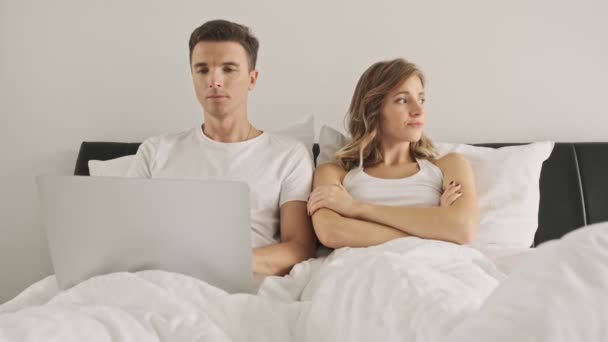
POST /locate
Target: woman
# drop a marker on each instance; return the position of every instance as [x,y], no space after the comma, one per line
[387,183]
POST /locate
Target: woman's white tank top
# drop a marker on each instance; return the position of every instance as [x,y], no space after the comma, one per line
[422,189]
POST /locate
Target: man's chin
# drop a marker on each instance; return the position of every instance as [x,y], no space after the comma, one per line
[216,112]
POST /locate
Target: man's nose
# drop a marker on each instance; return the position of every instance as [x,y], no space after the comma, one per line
[216,80]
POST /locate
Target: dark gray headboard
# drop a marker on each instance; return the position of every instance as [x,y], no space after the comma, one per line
[573,182]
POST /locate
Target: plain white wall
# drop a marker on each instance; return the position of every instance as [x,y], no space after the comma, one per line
[498,71]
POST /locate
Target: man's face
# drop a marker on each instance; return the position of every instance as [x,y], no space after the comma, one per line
[221,77]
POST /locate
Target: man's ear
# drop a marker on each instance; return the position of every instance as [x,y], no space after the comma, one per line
[253,78]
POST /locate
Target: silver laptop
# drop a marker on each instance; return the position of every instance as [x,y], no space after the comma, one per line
[100,225]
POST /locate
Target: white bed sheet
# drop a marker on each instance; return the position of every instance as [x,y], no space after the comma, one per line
[560,294]
[508,259]
[385,292]
[405,290]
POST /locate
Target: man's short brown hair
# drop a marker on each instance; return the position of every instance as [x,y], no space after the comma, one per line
[226,31]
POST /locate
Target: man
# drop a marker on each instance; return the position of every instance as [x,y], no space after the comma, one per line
[277,169]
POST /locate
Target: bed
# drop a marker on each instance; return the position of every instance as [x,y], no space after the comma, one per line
[408,289]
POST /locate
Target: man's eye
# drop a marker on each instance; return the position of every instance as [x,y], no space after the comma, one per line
[203,71]
[423,100]
[229,69]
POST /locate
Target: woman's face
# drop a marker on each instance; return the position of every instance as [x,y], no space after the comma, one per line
[403,112]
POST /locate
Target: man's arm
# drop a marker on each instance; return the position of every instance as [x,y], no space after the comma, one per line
[297,242]
[142,162]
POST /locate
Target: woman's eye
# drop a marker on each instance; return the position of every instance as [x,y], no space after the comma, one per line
[401,100]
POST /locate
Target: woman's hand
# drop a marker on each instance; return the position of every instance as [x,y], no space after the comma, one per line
[450,195]
[334,197]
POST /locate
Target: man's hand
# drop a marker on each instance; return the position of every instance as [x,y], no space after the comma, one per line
[259,265]
[333,197]
[297,242]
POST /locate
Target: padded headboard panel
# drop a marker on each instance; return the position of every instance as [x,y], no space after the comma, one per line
[573,182]
[101,151]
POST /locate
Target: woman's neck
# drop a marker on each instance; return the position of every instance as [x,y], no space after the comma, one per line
[396,153]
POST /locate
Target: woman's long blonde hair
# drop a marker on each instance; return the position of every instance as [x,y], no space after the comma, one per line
[364,114]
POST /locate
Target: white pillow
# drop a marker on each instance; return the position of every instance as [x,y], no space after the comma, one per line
[507,185]
[330,141]
[117,167]
[303,131]
[508,191]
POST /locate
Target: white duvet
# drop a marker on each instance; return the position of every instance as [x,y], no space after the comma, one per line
[405,290]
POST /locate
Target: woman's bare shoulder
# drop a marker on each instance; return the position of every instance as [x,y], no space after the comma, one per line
[450,160]
[333,168]
[331,171]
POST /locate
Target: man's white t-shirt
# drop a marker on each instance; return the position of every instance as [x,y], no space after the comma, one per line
[276,168]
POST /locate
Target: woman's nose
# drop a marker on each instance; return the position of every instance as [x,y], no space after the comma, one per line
[416,109]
